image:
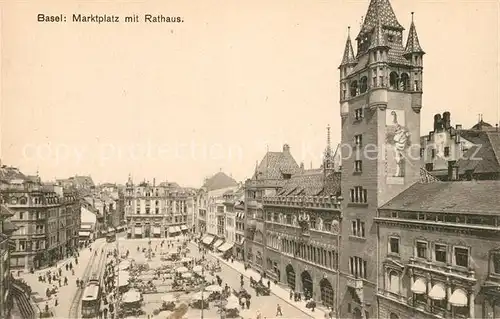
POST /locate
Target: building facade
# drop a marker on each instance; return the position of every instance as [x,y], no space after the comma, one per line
[269,177]
[6,229]
[201,211]
[156,211]
[380,102]
[302,232]
[455,153]
[231,201]
[47,218]
[439,252]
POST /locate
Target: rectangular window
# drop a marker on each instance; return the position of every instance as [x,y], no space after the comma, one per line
[358,114]
[358,228]
[440,251]
[433,153]
[359,195]
[358,166]
[447,151]
[496,262]
[358,140]
[422,249]
[394,245]
[461,257]
[422,152]
[357,267]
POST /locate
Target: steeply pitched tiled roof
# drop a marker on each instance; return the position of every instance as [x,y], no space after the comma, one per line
[380,10]
[275,164]
[484,157]
[349,56]
[412,44]
[219,181]
[480,197]
[312,182]
[5,212]
[8,173]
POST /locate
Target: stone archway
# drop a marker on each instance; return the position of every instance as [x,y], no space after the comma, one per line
[356,314]
[327,295]
[290,276]
[307,284]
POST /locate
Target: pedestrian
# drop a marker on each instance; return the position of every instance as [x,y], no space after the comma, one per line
[248,303]
[46,306]
[72,272]
[259,315]
[291,294]
[59,281]
[56,302]
[269,284]
[67,267]
[65,281]
[278,311]
[70,265]
[77,283]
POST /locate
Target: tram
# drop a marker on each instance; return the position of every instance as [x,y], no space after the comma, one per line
[91,300]
[111,235]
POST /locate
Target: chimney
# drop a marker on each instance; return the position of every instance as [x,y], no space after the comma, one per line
[458,127]
[437,122]
[302,165]
[154,182]
[496,126]
[286,148]
[447,120]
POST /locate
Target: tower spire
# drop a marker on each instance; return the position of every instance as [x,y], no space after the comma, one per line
[412,44]
[348,58]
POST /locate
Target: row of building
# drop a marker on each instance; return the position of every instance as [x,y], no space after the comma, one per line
[409,228]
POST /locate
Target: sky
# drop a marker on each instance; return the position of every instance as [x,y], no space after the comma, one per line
[180,102]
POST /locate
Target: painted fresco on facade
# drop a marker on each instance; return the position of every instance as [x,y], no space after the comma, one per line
[398,141]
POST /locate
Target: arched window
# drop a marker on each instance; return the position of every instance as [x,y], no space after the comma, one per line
[393,316]
[393,81]
[354,88]
[23,201]
[404,83]
[394,282]
[363,85]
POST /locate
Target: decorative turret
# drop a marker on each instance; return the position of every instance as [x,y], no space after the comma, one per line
[348,59]
[412,44]
[328,165]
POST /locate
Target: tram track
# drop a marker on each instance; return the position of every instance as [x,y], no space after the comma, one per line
[89,271]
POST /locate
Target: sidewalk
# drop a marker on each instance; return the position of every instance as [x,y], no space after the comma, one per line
[279,291]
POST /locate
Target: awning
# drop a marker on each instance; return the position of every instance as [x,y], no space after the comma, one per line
[84,233]
[225,247]
[208,239]
[86,226]
[177,229]
[419,286]
[138,230]
[437,292]
[459,298]
[171,229]
[184,227]
[218,243]
[156,230]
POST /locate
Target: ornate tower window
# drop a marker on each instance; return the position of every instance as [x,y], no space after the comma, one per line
[363,84]
[354,88]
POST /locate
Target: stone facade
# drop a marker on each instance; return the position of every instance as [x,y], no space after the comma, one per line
[448,246]
[47,218]
[156,211]
[380,102]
